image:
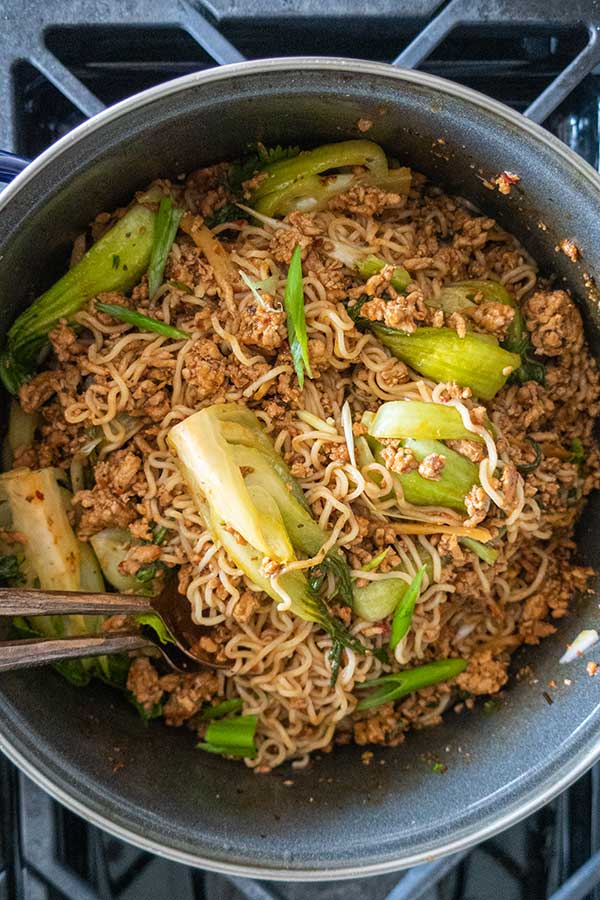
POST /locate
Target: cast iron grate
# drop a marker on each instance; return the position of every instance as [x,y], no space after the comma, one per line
[73,58]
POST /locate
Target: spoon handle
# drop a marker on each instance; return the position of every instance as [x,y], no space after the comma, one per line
[20,602]
[40,651]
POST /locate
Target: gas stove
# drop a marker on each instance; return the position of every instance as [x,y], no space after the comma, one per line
[61,62]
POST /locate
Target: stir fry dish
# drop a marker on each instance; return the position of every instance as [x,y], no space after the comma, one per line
[341,408]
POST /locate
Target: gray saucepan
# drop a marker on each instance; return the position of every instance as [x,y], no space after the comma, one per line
[339,818]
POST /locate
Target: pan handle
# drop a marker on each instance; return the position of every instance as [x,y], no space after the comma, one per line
[10,166]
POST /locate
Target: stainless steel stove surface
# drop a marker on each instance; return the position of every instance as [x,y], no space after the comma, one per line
[64,60]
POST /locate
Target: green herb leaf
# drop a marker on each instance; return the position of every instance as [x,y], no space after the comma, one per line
[296,320]
[153,620]
[167,223]
[334,562]
[491,706]
[139,320]
[230,212]
[526,468]
[390,687]
[231,737]
[10,572]
[335,656]
[222,709]
[439,768]
[257,158]
[531,369]
[405,609]
[577,452]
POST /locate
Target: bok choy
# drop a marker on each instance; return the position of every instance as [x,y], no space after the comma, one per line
[307,181]
[37,506]
[417,419]
[116,262]
[254,507]
[476,361]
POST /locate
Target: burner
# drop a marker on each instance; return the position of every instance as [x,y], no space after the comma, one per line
[68,61]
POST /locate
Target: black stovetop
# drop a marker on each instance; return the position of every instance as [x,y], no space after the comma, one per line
[63,60]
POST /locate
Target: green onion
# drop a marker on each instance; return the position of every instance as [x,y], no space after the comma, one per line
[405,609]
[296,320]
[391,687]
[376,561]
[371,265]
[231,737]
[416,419]
[222,709]
[487,554]
[476,360]
[139,320]
[167,223]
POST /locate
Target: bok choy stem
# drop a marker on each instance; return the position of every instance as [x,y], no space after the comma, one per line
[116,262]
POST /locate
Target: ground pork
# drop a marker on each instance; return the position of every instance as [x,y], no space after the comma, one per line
[205,367]
[64,342]
[491,317]
[366,200]
[432,466]
[246,606]
[188,695]
[137,557]
[399,459]
[379,728]
[472,450]
[476,502]
[403,312]
[484,674]
[554,322]
[34,393]
[284,242]
[143,682]
[263,326]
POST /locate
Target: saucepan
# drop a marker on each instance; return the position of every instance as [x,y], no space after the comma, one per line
[338,817]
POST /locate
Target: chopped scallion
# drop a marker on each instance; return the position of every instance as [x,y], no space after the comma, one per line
[392,687]
[167,223]
[405,609]
[296,320]
[231,737]
[139,320]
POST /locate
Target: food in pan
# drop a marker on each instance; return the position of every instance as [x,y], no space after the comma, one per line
[342,408]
